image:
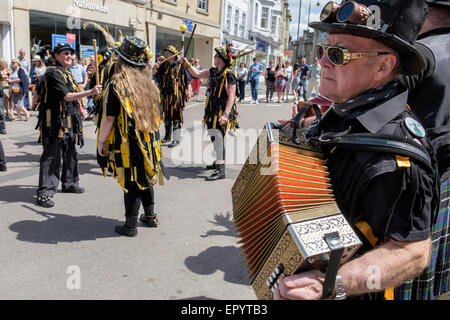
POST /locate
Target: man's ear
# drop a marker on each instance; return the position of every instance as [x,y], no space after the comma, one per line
[387,65]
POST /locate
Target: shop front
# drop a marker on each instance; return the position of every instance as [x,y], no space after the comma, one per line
[39,25]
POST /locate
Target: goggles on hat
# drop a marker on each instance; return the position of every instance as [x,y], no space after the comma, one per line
[340,56]
[347,12]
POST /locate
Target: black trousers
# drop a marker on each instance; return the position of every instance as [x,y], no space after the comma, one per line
[133,198]
[50,166]
[242,84]
[2,156]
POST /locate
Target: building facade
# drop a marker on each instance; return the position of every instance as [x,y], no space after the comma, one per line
[37,24]
[164,18]
[265,29]
[259,25]
[34,25]
[235,27]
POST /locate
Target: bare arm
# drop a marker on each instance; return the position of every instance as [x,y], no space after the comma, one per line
[396,262]
[194,71]
[231,91]
[105,129]
[72,96]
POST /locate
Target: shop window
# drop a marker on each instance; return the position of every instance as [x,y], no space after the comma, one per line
[43,25]
[165,38]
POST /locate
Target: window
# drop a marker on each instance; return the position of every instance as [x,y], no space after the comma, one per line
[202,5]
[170,1]
[236,21]
[264,17]
[255,20]
[273,26]
[242,26]
[228,22]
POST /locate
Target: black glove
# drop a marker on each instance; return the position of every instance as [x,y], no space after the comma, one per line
[102,161]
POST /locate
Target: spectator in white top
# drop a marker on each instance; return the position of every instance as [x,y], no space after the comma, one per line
[288,70]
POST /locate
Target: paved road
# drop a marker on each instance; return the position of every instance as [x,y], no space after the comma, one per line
[71,251]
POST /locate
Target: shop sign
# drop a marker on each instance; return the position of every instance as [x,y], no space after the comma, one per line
[62,38]
[86,51]
[189,24]
[84,4]
[262,46]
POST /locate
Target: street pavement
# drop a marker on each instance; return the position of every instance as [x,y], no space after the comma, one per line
[71,251]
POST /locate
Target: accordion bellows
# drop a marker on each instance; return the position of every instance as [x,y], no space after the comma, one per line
[283,205]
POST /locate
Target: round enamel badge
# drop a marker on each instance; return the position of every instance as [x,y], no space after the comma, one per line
[415,127]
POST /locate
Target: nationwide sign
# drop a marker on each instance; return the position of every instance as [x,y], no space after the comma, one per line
[84,4]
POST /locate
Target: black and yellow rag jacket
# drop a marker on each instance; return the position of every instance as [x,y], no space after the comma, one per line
[132,155]
[173,81]
[216,100]
[59,119]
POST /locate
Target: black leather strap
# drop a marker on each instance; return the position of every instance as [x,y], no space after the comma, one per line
[337,249]
[296,120]
[379,143]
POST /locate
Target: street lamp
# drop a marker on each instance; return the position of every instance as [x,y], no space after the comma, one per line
[298,28]
[183,29]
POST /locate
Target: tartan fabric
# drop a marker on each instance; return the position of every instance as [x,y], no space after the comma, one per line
[434,280]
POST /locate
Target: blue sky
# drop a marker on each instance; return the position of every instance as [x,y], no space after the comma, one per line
[314,16]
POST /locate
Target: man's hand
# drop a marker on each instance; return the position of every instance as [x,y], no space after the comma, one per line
[223,120]
[294,113]
[303,286]
[96,90]
[188,95]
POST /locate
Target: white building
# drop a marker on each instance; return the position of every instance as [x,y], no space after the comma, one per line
[259,24]
[235,23]
[265,29]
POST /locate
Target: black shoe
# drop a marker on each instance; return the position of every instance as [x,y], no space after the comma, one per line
[45,201]
[129,229]
[212,166]
[166,139]
[3,168]
[149,217]
[174,143]
[216,175]
[73,190]
[3,131]
[219,173]
[150,220]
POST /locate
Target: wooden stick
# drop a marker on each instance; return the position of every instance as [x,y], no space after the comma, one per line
[94,43]
[168,58]
[190,39]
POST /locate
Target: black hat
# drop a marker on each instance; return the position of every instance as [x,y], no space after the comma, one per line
[439,3]
[104,54]
[60,47]
[133,51]
[226,54]
[398,27]
[172,50]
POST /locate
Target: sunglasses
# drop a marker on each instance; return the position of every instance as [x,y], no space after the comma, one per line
[66,53]
[340,56]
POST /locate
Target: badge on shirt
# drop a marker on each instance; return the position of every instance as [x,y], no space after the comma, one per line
[415,127]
